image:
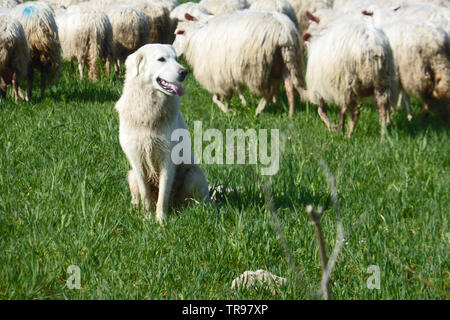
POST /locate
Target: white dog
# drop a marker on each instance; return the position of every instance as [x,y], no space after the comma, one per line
[149,111]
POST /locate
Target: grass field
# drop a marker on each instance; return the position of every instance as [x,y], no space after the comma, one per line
[64,200]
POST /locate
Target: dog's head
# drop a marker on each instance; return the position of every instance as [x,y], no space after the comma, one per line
[156,65]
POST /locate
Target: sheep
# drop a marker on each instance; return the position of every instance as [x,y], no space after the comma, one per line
[362,4]
[282,6]
[348,61]
[423,11]
[62,4]
[9,3]
[220,7]
[43,41]
[130,31]
[86,35]
[422,57]
[302,6]
[158,17]
[443,3]
[14,55]
[246,49]
[193,9]
[168,4]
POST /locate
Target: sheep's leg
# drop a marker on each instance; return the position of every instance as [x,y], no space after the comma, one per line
[382,101]
[289,87]
[400,99]
[81,68]
[408,106]
[342,114]
[93,71]
[43,84]
[354,116]
[3,88]
[21,94]
[30,83]
[15,88]
[108,66]
[322,110]
[262,104]
[222,106]
[117,67]
[241,96]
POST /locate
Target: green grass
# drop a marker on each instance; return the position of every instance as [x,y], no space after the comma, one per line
[64,200]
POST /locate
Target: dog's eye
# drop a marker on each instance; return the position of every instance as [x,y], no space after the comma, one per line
[162,59]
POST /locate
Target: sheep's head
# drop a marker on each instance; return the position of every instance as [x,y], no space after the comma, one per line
[321,20]
[190,11]
[182,33]
[156,65]
[314,26]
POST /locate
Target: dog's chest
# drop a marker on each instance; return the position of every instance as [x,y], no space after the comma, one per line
[154,152]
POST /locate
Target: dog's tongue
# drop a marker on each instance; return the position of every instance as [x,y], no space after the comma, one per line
[178,89]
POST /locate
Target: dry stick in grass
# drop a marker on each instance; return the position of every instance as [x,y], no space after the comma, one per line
[327,265]
[315,217]
[281,235]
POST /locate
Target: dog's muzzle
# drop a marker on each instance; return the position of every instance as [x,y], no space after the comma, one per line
[170,87]
[182,74]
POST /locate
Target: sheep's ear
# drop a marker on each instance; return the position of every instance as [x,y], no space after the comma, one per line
[306,36]
[134,63]
[189,17]
[312,17]
[367,13]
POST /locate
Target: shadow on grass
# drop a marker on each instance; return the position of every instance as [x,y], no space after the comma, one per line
[417,126]
[284,194]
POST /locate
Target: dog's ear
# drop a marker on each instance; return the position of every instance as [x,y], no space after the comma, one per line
[134,63]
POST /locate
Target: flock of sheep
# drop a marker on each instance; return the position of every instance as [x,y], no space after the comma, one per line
[388,50]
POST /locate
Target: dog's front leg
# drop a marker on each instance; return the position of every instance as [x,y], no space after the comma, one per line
[166,177]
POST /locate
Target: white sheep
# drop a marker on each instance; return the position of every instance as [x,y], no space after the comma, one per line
[364,4]
[14,55]
[86,35]
[348,61]
[246,49]
[62,4]
[421,11]
[220,7]
[42,37]
[193,10]
[282,6]
[9,3]
[303,6]
[130,31]
[422,57]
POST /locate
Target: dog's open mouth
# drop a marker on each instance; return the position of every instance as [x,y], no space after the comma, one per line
[170,87]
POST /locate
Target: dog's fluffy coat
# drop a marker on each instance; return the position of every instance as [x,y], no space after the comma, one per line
[148,115]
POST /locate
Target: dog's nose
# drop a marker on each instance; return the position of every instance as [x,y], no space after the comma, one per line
[182,73]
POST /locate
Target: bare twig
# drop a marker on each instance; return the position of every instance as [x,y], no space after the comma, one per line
[327,265]
[315,217]
[292,264]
